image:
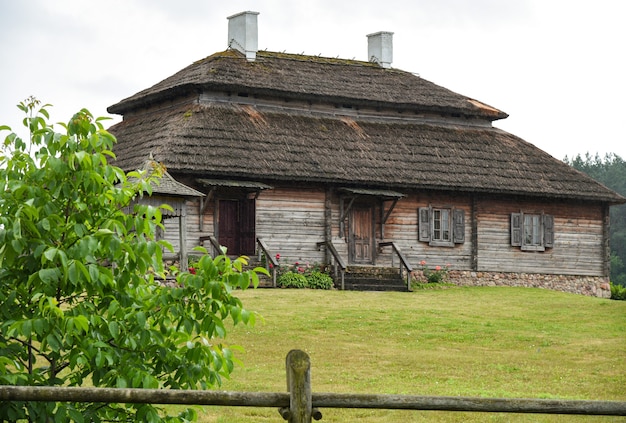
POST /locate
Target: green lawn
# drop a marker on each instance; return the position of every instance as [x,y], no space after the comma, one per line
[489,342]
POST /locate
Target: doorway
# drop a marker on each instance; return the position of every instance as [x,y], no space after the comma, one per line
[361,236]
[236,226]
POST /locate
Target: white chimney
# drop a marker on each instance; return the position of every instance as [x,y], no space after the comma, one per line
[243,33]
[380,48]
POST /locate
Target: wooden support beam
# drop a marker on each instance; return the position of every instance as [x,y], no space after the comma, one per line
[203,205]
[343,215]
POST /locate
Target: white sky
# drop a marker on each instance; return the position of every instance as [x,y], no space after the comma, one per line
[557,67]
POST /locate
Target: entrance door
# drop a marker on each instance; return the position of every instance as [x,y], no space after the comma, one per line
[361,235]
[236,226]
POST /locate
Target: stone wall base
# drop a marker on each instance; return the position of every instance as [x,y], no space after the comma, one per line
[593,286]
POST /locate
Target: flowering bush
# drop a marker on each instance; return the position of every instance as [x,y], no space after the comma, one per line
[438,275]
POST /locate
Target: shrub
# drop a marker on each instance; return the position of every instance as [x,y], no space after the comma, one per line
[618,292]
[81,297]
[438,275]
[319,280]
[292,280]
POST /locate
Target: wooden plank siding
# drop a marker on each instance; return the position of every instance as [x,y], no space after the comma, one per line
[401,228]
[578,234]
[292,220]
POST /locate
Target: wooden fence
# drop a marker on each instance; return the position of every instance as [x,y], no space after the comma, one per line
[300,405]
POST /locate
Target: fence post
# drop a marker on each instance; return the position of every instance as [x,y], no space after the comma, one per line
[298,366]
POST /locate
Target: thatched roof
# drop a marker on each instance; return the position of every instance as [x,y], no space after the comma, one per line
[165,185]
[310,78]
[229,141]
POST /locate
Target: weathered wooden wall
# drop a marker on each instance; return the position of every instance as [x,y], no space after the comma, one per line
[578,239]
[291,221]
[193,226]
[402,228]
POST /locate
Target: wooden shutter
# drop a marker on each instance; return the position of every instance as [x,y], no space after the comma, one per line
[517,220]
[548,231]
[424,223]
[458,226]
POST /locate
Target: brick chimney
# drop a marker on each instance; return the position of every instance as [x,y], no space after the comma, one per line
[380,48]
[243,33]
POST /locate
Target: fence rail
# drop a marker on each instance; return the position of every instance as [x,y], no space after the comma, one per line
[300,405]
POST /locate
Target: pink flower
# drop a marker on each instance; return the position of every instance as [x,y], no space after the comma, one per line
[271,266]
[301,270]
[437,268]
[423,263]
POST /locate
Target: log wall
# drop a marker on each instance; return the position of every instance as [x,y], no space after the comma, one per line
[578,239]
[291,221]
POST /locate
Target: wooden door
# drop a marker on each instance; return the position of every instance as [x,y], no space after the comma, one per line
[236,226]
[228,227]
[247,229]
[361,236]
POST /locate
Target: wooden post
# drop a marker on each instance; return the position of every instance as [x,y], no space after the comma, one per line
[298,366]
[182,236]
[328,224]
[474,237]
[606,242]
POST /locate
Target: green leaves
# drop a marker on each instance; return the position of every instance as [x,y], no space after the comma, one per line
[79,299]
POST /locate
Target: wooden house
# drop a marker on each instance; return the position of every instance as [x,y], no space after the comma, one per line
[355,162]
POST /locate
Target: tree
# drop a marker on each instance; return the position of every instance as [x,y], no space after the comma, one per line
[610,171]
[80,299]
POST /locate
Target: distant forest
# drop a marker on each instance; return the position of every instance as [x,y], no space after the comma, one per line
[610,171]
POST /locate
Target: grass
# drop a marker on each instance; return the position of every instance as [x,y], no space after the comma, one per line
[488,342]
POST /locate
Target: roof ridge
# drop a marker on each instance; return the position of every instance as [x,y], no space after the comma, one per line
[231,54]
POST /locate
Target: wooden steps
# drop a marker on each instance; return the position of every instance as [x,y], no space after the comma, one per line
[357,278]
[373,278]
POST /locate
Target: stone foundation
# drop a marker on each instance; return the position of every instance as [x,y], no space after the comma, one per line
[593,286]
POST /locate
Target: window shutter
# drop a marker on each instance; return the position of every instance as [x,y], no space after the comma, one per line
[458,222]
[516,229]
[424,224]
[548,231]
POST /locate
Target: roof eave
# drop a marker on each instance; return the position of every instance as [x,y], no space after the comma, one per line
[611,200]
[130,104]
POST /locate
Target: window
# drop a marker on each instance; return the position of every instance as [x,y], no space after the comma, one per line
[532,231]
[441,226]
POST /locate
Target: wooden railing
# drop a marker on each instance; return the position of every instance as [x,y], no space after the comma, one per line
[301,405]
[271,264]
[215,245]
[339,266]
[404,263]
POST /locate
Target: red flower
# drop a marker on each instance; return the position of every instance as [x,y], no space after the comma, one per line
[301,270]
[192,270]
[271,266]
[277,256]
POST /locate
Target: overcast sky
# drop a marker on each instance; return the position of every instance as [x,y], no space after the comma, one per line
[557,67]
